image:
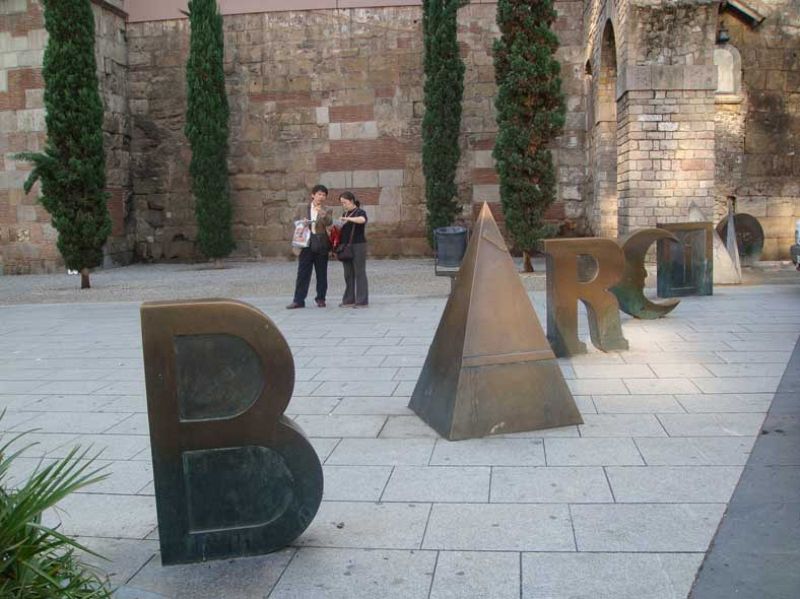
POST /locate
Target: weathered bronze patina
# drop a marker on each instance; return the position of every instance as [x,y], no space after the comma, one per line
[565,287]
[686,267]
[490,369]
[630,290]
[233,476]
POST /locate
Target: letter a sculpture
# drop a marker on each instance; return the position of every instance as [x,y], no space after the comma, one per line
[232,475]
[490,369]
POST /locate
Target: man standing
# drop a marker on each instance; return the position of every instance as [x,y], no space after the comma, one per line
[315,256]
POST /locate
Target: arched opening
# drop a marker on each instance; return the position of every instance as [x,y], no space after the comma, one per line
[604,136]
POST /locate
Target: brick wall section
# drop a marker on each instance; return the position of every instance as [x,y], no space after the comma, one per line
[344,110]
[27,240]
[666,156]
[769,183]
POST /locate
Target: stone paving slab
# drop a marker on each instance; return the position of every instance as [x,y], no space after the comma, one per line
[357,574]
[622,506]
[756,548]
[609,575]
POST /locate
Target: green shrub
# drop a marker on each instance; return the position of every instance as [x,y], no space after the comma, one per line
[72,166]
[530,114]
[207,116]
[36,561]
[443,92]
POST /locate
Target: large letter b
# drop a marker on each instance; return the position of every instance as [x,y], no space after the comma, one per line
[233,476]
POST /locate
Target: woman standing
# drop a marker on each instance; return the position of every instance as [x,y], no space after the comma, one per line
[354,219]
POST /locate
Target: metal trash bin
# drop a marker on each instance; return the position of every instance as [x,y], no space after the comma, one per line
[449,247]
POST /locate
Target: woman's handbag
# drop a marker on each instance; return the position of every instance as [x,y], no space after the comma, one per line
[344,253]
[335,235]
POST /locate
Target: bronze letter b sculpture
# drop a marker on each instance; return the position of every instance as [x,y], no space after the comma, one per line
[233,476]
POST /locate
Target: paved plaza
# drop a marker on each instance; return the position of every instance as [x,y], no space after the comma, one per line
[623,506]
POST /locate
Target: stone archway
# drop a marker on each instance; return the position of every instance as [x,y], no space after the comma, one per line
[604,138]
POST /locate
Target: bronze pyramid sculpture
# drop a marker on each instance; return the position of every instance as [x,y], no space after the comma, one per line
[490,369]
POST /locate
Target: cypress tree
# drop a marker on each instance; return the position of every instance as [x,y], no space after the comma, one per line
[72,167]
[530,114]
[443,92]
[207,130]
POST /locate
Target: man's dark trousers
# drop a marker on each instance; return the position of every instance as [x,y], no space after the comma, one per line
[308,260]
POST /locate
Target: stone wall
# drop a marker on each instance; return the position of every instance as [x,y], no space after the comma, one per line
[762,149]
[651,91]
[27,240]
[332,96]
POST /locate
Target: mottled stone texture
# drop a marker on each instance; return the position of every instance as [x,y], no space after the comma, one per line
[330,96]
[336,96]
[762,153]
[651,84]
[674,134]
[27,240]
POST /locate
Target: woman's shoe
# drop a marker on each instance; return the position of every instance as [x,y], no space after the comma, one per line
[346,305]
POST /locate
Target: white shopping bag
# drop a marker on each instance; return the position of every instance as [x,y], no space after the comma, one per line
[302,234]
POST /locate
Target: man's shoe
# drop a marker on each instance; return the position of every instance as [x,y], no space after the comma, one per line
[294,306]
[360,305]
[320,303]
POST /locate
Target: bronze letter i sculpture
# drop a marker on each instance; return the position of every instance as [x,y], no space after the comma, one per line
[490,369]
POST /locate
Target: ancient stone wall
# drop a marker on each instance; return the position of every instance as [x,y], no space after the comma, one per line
[332,96]
[651,83]
[27,240]
[761,134]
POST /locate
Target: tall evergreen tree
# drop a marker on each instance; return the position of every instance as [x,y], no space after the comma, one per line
[530,114]
[72,167]
[444,90]
[207,129]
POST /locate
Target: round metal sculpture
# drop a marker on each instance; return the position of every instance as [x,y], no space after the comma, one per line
[630,290]
[749,236]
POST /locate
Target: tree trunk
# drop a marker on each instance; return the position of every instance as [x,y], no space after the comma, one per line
[527,265]
[85,279]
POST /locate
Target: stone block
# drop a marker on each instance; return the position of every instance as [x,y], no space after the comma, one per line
[363,130]
[334,131]
[390,178]
[485,193]
[497,527]
[482,159]
[355,573]
[37,39]
[334,179]
[476,574]
[656,527]
[441,484]
[9,60]
[621,576]
[322,115]
[365,178]
[391,197]
[31,120]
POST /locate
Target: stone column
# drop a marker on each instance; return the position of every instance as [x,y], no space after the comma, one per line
[666,143]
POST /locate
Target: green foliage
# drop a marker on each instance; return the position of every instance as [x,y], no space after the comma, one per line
[530,113]
[72,167]
[36,561]
[444,90]
[207,129]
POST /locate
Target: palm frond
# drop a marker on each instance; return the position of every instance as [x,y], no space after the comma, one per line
[38,561]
